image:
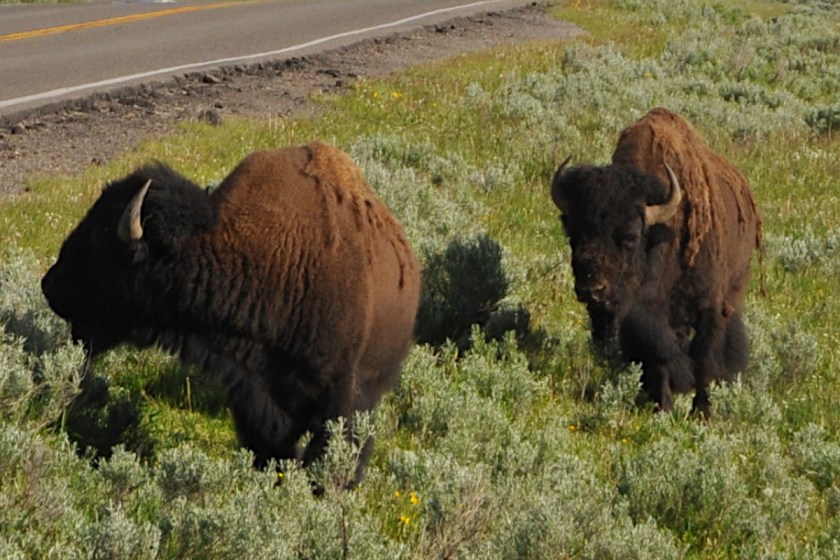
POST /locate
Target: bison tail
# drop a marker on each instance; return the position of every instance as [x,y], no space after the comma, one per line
[761,266]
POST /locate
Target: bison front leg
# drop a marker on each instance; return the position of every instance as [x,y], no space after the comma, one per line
[647,338]
[261,424]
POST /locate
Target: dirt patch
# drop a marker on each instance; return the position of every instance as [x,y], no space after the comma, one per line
[66,138]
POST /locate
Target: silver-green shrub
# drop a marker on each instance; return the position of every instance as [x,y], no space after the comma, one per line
[40,370]
[496,449]
[805,249]
[23,310]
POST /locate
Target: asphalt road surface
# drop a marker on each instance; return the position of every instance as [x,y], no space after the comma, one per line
[52,52]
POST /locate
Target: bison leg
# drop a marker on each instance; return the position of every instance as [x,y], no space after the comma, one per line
[316,446]
[647,338]
[709,353]
[336,402]
[657,385]
[342,405]
[320,439]
[736,351]
[361,466]
[261,424]
[660,379]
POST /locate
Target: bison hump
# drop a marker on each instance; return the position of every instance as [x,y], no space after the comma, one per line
[312,195]
[707,179]
[333,168]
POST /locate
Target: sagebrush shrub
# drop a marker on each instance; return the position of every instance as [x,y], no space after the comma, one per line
[493,445]
[40,369]
[464,286]
[23,310]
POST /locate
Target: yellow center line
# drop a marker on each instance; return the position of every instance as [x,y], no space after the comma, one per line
[112,21]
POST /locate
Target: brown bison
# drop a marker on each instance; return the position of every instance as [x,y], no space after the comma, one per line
[661,242]
[291,280]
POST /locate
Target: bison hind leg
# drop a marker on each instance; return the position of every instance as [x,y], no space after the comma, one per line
[720,350]
[736,350]
[320,440]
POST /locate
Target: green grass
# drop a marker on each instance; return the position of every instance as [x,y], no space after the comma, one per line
[526,447]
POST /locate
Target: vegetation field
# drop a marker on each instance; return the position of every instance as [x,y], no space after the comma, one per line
[506,437]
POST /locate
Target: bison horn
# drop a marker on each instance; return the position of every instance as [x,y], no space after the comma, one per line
[659,213]
[556,196]
[130,228]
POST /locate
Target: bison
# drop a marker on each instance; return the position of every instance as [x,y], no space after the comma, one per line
[662,239]
[290,280]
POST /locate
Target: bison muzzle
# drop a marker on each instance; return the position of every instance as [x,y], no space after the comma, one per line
[662,240]
[290,280]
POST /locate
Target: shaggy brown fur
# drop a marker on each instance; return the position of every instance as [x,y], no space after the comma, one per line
[705,177]
[291,280]
[669,291]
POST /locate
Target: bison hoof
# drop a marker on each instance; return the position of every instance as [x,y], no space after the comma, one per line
[701,406]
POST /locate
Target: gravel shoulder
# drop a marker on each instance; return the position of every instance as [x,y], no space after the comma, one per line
[67,137]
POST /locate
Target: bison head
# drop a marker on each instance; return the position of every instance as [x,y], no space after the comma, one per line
[614,218]
[97,282]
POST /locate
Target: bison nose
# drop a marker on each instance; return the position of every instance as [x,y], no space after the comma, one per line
[49,287]
[594,293]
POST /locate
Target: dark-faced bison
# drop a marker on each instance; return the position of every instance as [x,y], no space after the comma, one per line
[290,280]
[661,242]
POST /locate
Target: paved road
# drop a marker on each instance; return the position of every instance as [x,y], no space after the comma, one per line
[52,52]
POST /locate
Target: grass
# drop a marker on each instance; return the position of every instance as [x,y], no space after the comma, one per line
[520,447]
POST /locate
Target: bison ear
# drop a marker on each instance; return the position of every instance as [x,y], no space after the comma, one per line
[557,195]
[130,228]
[660,213]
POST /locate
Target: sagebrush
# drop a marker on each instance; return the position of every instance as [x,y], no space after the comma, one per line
[518,445]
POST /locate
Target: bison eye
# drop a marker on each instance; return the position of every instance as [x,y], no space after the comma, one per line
[628,241]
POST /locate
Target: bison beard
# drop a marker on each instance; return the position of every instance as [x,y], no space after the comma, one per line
[662,240]
[290,280]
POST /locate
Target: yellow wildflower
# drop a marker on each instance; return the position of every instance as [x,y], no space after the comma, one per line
[405,519]
[413,498]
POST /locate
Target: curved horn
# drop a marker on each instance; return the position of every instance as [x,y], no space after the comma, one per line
[659,213]
[555,192]
[130,228]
